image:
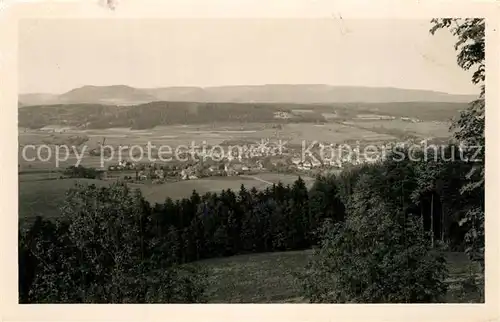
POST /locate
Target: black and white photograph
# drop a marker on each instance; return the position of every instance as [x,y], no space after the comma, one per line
[318,160]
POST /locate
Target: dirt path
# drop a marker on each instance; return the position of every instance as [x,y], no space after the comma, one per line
[258,179]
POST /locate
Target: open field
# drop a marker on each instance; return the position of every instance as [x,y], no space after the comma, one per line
[40,175]
[330,133]
[294,134]
[271,277]
[181,189]
[420,129]
[44,197]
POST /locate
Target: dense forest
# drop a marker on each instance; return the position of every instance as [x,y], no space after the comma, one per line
[149,115]
[378,230]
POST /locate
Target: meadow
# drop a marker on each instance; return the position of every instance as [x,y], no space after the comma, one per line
[273,277]
[45,196]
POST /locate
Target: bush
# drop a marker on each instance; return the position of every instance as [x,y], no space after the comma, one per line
[387,261]
[81,172]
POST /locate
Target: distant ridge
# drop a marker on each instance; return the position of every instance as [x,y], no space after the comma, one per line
[112,95]
[269,93]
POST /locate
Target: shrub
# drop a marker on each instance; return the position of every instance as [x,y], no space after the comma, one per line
[387,261]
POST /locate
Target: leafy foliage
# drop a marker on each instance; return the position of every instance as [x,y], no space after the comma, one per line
[470,43]
[99,252]
[469,128]
[81,172]
[377,255]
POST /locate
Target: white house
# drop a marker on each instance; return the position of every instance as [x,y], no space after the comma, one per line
[315,163]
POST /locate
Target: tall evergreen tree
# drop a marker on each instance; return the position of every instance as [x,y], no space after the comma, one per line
[324,203]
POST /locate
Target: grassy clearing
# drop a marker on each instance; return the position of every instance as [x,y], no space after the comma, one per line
[284,178]
[44,198]
[182,189]
[155,193]
[255,278]
[271,277]
[39,176]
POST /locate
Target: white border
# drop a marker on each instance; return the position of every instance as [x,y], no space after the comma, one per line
[11,12]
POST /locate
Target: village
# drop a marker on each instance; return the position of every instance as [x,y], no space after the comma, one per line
[319,159]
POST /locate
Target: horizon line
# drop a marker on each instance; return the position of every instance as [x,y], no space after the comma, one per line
[253,85]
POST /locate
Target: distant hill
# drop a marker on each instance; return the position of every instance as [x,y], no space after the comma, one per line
[303,94]
[110,95]
[179,94]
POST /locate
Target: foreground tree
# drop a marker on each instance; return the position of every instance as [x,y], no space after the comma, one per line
[99,252]
[469,128]
[378,255]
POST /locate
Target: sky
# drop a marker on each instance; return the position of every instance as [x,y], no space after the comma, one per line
[58,55]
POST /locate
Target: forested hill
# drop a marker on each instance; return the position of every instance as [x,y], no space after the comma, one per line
[153,114]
